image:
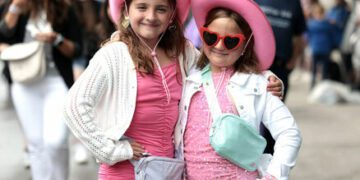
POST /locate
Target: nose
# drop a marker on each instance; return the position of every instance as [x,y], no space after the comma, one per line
[219,45]
[151,14]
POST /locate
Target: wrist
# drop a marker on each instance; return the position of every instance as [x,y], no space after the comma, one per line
[14,9]
[58,40]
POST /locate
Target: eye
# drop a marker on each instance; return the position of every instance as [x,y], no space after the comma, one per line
[141,7]
[162,9]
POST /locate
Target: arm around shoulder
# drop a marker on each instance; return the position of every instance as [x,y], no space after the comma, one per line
[192,55]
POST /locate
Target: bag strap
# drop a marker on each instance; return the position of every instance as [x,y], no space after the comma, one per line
[210,92]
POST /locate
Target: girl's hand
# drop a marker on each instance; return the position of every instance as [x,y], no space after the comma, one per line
[3,46]
[48,37]
[275,86]
[138,150]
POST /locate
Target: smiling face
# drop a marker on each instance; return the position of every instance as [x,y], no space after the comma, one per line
[149,19]
[218,55]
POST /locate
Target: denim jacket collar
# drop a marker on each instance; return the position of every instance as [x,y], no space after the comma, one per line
[239,79]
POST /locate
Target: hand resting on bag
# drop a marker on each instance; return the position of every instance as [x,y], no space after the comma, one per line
[138,150]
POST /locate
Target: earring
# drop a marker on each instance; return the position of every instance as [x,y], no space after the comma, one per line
[126,22]
[172,27]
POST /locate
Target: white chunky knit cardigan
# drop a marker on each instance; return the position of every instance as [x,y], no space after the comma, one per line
[100,105]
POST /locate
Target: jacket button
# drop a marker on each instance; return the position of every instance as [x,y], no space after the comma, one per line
[185,108]
[255,90]
[241,107]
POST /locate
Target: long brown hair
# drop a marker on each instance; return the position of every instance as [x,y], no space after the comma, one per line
[173,42]
[248,62]
[56,10]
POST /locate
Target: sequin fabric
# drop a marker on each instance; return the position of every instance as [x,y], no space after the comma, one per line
[202,162]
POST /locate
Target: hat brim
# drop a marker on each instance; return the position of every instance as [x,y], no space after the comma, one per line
[251,12]
[182,6]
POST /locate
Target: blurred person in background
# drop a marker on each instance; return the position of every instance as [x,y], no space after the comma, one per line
[320,38]
[348,49]
[355,41]
[307,4]
[5,80]
[95,18]
[288,23]
[39,104]
[338,16]
[5,69]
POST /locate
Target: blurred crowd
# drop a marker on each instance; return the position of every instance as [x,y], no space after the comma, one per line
[327,45]
[73,32]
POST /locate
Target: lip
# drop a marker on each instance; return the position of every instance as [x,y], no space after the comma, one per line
[150,25]
[219,52]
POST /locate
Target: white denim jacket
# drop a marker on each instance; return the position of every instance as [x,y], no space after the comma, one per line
[255,105]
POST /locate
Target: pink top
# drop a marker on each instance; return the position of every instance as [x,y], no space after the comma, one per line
[153,122]
[202,162]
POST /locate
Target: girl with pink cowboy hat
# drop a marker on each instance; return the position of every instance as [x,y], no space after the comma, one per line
[133,86]
[238,43]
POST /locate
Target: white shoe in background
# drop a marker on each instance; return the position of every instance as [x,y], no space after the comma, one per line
[81,155]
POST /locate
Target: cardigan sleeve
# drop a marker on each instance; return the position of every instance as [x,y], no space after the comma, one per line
[80,115]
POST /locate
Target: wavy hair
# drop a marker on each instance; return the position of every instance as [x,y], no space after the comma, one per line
[173,42]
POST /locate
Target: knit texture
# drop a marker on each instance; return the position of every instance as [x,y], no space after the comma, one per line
[100,105]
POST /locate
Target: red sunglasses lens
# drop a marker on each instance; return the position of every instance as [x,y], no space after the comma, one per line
[231,42]
[209,38]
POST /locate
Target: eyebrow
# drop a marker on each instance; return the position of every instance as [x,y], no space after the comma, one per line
[157,5]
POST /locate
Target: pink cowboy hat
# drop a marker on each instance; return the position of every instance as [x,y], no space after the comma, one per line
[182,6]
[250,11]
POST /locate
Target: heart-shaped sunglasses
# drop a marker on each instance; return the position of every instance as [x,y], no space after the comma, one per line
[230,42]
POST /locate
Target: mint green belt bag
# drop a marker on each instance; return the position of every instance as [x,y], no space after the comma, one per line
[232,137]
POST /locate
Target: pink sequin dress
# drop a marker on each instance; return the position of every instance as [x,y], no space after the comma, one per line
[153,122]
[202,162]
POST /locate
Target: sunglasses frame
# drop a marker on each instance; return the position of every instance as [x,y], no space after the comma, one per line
[241,37]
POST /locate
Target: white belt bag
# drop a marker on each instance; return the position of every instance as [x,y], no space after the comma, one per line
[158,168]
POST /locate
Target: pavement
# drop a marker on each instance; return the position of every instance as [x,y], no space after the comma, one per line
[330,148]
